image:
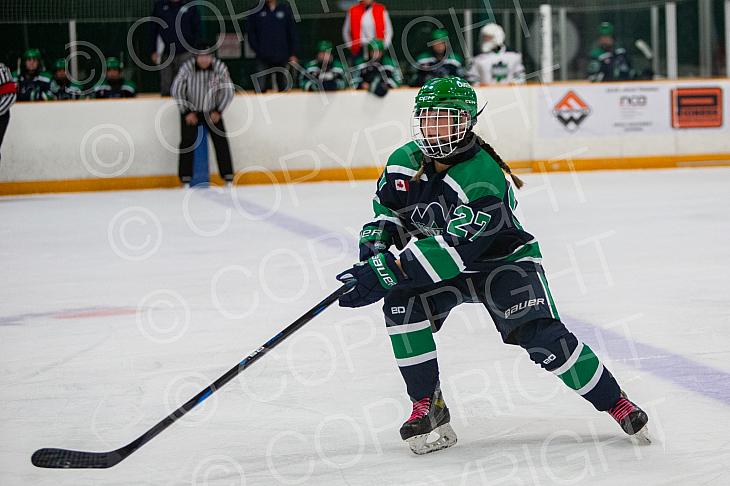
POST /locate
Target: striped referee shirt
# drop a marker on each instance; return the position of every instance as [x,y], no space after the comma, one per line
[8,89]
[202,90]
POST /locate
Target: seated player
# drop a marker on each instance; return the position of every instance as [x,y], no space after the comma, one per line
[496,64]
[61,86]
[34,84]
[448,201]
[609,61]
[115,86]
[438,62]
[375,70]
[324,73]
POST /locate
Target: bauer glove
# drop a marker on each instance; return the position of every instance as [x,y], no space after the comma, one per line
[375,277]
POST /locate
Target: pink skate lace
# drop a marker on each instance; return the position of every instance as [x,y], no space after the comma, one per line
[622,408]
[420,408]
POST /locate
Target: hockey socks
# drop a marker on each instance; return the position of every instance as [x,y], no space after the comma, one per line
[557,350]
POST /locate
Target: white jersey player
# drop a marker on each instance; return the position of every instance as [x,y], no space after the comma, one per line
[496,65]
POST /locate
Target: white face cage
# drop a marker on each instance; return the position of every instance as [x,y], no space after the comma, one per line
[437,131]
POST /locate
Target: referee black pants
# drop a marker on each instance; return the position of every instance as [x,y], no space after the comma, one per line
[188,142]
[4,120]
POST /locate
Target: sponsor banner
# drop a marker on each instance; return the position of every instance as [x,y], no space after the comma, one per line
[603,109]
[697,107]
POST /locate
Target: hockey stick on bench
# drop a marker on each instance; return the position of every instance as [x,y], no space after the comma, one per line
[68,459]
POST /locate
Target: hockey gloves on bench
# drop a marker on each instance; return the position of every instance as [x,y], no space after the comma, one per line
[375,277]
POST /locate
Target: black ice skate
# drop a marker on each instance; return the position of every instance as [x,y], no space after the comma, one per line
[631,418]
[429,415]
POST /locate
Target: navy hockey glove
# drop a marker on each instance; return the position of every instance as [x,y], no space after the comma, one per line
[373,240]
[375,277]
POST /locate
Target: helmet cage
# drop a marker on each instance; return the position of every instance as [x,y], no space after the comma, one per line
[437,130]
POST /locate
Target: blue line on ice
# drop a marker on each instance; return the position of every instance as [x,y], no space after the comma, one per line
[675,368]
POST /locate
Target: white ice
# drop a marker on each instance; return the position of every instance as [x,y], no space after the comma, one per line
[117,307]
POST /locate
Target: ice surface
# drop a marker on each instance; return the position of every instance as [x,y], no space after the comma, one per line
[117,307]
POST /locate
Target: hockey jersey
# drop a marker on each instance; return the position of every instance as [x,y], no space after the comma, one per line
[34,86]
[317,76]
[497,67]
[428,66]
[451,222]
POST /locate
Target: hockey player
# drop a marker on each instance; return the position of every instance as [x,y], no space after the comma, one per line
[61,86]
[115,86]
[34,84]
[375,71]
[448,201]
[608,61]
[324,73]
[439,61]
[496,64]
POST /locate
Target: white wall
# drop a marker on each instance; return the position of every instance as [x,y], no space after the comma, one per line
[88,139]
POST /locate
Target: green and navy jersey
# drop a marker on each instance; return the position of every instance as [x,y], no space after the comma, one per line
[115,88]
[372,71]
[428,66]
[34,86]
[68,90]
[447,223]
[318,77]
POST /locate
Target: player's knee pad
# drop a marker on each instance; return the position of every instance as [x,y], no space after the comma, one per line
[548,342]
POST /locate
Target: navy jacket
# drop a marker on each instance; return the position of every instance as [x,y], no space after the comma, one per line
[167,11]
[272,34]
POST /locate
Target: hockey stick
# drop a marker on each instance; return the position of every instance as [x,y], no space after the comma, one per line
[68,459]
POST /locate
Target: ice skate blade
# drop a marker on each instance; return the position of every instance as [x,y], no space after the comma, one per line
[446,438]
[642,436]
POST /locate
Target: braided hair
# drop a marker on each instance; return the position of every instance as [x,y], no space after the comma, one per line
[506,168]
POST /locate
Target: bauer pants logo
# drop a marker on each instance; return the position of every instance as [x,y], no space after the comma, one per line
[522,306]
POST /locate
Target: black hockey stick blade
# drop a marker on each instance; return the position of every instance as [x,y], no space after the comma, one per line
[68,459]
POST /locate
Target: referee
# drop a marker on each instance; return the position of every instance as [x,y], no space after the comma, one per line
[202,90]
[8,93]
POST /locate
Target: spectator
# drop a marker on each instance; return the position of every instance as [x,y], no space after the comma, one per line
[608,61]
[438,62]
[8,94]
[273,37]
[324,73]
[34,84]
[375,71]
[202,90]
[115,86]
[174,42]
[61,86]
[496,64]
[366,21]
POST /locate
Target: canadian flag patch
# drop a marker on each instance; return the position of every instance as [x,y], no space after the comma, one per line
[401,185]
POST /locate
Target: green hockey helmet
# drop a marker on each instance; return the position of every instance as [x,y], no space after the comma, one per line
[440,35]
[324,45]
[606,28]
[445,111]
[32,53]
[113,63]
[376,45]
[59,63]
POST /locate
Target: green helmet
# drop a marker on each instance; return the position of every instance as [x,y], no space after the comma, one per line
[445,111]
[376,45]
[113,63]
[440,35]
[60,63]
[32,53]
[324,45]
[606,28]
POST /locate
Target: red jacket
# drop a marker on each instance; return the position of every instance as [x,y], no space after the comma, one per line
[356,13]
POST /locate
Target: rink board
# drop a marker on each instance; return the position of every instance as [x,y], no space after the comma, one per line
[306,137]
